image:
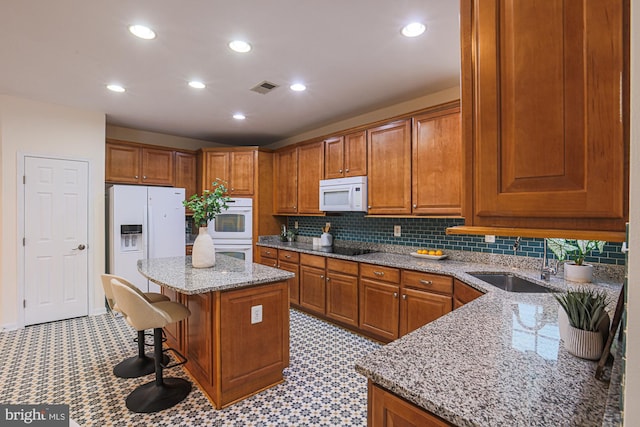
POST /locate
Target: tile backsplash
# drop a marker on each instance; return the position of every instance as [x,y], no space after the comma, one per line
[429,233]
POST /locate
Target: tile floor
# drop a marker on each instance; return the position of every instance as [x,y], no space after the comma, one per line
[71,361]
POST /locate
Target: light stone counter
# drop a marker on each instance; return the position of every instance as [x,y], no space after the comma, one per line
[496,361]
[229,273]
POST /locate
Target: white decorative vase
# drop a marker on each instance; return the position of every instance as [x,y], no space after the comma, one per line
[580,343]
[203,254]
[578,273]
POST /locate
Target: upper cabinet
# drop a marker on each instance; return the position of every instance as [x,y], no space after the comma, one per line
[345,155]
[389,165]
[545,95]
[436,151]
[285,181]
[311,160]
[129,163]
[236,168]
[186,172]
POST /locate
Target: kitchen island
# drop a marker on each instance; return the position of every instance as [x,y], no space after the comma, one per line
[237,337]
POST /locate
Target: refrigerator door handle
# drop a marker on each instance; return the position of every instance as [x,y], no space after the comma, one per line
[145,233]
[150,224]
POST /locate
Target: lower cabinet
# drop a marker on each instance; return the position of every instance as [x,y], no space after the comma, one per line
[379,295]
[386,410]
[463,294]
[312,283]
[342,291]
[425,297]
[288,260]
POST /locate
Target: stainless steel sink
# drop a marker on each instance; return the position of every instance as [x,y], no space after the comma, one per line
[510,283]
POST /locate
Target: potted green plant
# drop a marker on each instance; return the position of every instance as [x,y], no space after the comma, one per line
[575,270]
[583,322]
[205,207]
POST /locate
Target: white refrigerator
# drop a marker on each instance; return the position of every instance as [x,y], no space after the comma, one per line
[144,222]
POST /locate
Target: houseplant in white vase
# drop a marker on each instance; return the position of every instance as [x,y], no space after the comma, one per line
[583,322]
[575,270]
[205,207]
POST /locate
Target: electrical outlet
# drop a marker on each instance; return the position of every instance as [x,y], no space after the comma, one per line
[295,225]
[397,231]
[328,224]
[489,238]
[256,314]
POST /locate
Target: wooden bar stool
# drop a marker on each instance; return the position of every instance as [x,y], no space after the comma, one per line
[142,364]
[142,314]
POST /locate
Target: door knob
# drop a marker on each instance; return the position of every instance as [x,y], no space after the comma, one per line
[80,247]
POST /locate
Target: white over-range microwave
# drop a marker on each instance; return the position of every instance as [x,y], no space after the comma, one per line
[344,194]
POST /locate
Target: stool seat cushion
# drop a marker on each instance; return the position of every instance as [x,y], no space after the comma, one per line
[108,292]
[155,297]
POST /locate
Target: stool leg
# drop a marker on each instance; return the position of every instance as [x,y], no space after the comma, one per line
[162,393]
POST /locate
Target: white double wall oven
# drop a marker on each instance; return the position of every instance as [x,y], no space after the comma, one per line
[232,230]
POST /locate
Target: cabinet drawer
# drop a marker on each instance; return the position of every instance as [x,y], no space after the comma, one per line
[288,256]
[465,293]
[342,266]
[427,281]
[386,274]
[268,252]
[312,260]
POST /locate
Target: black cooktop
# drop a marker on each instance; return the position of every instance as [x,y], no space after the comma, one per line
[346,251]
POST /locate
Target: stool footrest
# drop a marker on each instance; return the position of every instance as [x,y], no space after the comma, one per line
[179,356]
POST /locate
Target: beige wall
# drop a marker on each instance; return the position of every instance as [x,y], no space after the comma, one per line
[146,137]
[31,127]
[632,391]
[441,97]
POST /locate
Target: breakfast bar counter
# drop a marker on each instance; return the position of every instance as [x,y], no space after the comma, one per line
[237,337]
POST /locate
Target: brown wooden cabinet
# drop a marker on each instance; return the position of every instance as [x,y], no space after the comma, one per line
[437,162]
[387,410]
[267,256]
[285,181]
[236,168]
[289,261]
[425,297]
[379,307]
[312,283]
[342,291]
[130,163]
[389,168]
[310,172]
[463,294]
[346,155]
[185,175]
[545,96]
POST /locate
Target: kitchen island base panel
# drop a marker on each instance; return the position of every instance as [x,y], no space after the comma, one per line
[228,356]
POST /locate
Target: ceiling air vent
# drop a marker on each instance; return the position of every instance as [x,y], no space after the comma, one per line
[264,87]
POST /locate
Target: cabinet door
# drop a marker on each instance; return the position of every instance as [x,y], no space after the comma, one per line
[122,164]
[334,157]
[389,410]
[355,154]
[242,170]
[419,308]
[379,308]
[464,293]
[310,172]
[342,298]
[216,167]
[437,163]
[545,112]
[294,283]
[157,167]
[198,336]
[312,289]
[268,256]
[173,331]
[285,181]
[186,173]
[389,164]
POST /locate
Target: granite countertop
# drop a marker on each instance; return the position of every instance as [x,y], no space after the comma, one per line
[228,273]
[496,361]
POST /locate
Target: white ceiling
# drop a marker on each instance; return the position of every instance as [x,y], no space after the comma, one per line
[349,53]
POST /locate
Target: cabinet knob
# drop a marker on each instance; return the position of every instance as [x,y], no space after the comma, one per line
[294,207]
[232,189]
[328,278]
[426,282]
[415,206]
[346,170]
[395,295]
[136,177]
[268,252]
[144,177]
[404,297]
[275,264]
[340,170]
[287,256]
[379,273]
[322,276]
[369,206]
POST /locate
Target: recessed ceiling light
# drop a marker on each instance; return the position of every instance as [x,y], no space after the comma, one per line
[298,87]
[142,32]
[239,116]
[240,46]
[414,29]
[115,88]
[197,85]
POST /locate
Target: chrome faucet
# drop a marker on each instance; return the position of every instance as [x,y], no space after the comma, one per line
[549,266]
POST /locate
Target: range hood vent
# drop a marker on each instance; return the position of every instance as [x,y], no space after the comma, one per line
[264,87]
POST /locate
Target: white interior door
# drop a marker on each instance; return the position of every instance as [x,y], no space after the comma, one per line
[55,245]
